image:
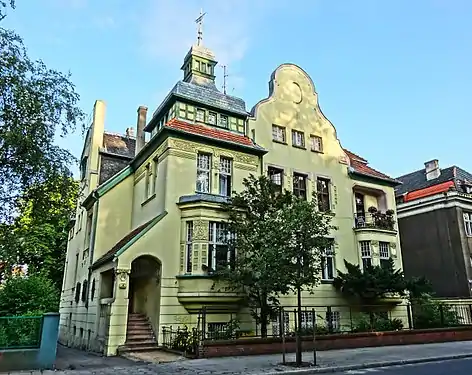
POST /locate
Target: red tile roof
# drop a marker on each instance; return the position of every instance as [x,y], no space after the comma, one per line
[431,190]
[359,164]
[210,132]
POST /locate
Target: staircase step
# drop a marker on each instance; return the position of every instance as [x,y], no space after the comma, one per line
[140,338]
[139,344]
[138,324]
[145,348]
[137,330]
[137,319]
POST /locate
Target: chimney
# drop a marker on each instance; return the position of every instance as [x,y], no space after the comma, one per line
[432,169]
[140,136]
[130,132]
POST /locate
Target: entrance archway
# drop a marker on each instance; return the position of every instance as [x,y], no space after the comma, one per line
[145,288]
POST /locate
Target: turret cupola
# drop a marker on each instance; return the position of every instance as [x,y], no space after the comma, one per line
[199,63]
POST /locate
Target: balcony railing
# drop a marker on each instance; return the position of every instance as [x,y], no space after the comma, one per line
[376,220]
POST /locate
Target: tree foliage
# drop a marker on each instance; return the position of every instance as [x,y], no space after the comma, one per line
[4,5]
[269,230]
[36,104]
[38,235]
[28,295]
[376,282]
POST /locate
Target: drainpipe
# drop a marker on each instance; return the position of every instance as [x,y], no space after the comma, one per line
[92,245]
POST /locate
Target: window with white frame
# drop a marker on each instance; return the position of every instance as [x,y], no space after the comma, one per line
[322,194]
[468,223]
[299,185]
[276,175]
[203,173]
[223,121]
[298,138]
[200,117]
[333,320]
[212,118]
[366,254]
[188,246]
[327,263]
[276,327]
[225,176]
[278,133]
[307,319]
[384,253]
[316,143]
[219,254]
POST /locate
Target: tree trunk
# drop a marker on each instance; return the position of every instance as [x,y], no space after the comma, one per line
[264,315]
[298,358]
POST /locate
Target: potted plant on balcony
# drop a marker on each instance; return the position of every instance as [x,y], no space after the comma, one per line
[382,220]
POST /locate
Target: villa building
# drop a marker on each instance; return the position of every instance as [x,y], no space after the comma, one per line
[147,231]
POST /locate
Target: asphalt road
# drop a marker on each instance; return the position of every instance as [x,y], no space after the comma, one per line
[453,367]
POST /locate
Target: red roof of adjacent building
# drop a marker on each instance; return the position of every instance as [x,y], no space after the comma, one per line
[431,190]
[359,164]
[210,132]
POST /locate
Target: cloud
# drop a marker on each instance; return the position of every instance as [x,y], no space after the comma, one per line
[105,22]
[170,30]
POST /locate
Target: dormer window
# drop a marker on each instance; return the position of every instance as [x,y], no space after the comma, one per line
[200,115]
[212,118]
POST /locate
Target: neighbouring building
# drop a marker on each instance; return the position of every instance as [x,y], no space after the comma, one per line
[148,229]
[435,223]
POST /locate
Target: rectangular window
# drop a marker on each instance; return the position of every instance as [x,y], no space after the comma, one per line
[298,138]
[468,223]
[278,133]
[384,253]
[147,186]
[212,118]
[225,176]
[188,246]
[223,121]
[333,321]
[88,229]
[306,321]
[322,192]
[200,117]
[327,263]
[316,143]
[366,254]
[219,255]
[276,175]
[203,173]
[155,166]
[276,327]
[299,185]
[83,167]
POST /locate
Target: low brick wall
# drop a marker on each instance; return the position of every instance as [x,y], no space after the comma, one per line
[254,346]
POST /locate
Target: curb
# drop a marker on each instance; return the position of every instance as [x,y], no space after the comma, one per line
[320,370]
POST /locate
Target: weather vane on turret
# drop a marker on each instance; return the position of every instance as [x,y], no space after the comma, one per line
[199,22]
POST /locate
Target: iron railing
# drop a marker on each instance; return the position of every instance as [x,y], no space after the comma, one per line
[378,220]
[181,339]
[20,332]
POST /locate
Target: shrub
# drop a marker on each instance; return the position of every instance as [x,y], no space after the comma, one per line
[376,322]
[434,314]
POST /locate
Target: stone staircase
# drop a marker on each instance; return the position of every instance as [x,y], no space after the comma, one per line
[139,335]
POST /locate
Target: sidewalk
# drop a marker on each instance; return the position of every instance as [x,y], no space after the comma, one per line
[328,361]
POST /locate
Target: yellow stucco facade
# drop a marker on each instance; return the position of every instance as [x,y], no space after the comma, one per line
[144,240]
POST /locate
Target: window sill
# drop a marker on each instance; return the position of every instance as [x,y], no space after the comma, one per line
[327,281]
[300,147]
[317,152]
[148,199]
[280,142]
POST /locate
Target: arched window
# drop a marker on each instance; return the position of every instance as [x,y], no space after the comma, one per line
[84,291]
[77,293]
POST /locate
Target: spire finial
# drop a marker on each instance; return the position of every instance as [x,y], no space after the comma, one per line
[199,22]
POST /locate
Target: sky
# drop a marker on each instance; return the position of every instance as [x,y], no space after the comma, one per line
[394,77]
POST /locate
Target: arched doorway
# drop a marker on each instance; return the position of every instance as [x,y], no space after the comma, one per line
[145,288]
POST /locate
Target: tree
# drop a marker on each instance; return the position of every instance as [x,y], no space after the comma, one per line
[305,231]
[279,240]
[28,295]
[36,104]
[38,236]
[3,6]
[376,282]
[254,230]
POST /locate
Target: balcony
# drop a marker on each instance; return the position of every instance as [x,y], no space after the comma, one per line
[199,291]
[375,220]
